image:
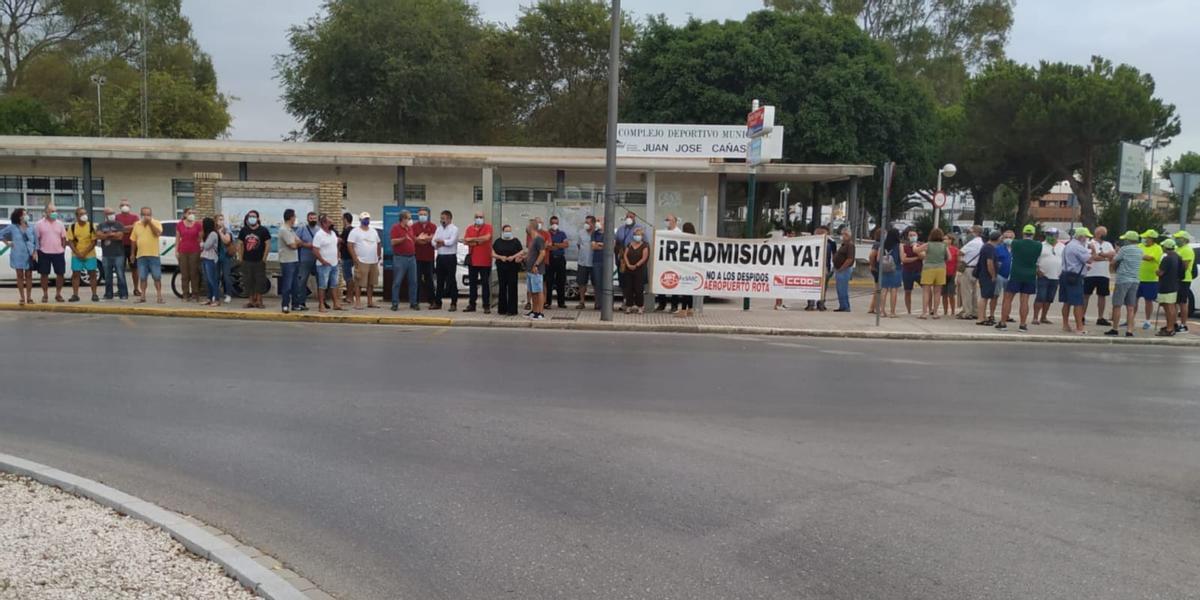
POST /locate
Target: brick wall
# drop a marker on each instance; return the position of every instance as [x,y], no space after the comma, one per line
[205,191]
[329,199]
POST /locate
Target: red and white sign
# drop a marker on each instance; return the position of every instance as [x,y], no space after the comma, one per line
[760,121]
[939,199]
[791,268]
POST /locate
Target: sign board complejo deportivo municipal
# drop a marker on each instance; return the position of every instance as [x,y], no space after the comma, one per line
[659,140]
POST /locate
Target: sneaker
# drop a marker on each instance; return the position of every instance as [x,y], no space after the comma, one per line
[395,307]
[1128,334]
[660,308]
[108,297]
[1112,333]
[228,298]
[1103,322]
[538,316]
[487,311]
[469,308]
[73,298]
[1146,325]
[453,307]
[414,307]
[95,298]
[1001,326]
[1023,328]
[1182,329]
[287,309]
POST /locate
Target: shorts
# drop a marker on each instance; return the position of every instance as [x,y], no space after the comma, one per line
[533,282]
[254,277]
[46,262]
[1001,285]
[1047,289]
[1071,294]
[987,288]
[83,264]
[1125,295]
[327,276]
[149,266]
[1148,290]
[933,276]
[1020,287]
[1096,285]
[365,275]
[910,279]
[1168,298]
[583,275]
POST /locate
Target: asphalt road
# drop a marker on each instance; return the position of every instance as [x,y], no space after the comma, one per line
[461,464]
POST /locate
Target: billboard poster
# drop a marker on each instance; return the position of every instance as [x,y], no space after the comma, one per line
[788,268]
[1133,167]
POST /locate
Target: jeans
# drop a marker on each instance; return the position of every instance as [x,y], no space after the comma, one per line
[556,280]
[148,267]
[404,268]
[447,272]
[225,272]
[477,276]
[347,269]
[289,296]
[114,268]
[307,269]
[842,281]
[327,277]
[507,302]
[425,281]
[210,278]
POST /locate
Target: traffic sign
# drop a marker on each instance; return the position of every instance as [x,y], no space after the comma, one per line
[939,199]
[760,121]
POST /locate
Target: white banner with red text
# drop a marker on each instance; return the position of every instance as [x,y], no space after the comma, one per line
[690,265]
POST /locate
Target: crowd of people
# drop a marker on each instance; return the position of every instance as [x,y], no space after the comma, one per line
[981,279]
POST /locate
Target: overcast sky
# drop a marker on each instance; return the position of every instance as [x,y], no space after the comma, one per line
[243,37]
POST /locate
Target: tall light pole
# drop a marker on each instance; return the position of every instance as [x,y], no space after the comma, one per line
[99,81]
[610,164]
[783,212]
[145,71]
[948,171]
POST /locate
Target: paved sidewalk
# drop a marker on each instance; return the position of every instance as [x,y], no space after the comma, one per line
[718,316]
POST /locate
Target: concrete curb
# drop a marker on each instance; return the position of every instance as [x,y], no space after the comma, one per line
[200,540]
[550,324]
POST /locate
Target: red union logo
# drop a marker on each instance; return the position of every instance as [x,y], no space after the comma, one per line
[794,281]
[669,280]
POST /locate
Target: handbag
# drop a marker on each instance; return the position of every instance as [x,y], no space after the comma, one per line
[888,265]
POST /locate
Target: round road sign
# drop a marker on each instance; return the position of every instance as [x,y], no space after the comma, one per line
[939,199]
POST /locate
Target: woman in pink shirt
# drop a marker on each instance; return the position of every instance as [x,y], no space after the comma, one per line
[187,251]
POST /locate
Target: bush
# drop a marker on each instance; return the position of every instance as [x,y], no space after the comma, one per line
[1141,218]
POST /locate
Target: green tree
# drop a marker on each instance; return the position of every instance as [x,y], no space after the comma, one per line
[1078,115]
[73,39]
[937,41]
[1187,163]
[411,71]
[25,116]
[558,74]
[836,91]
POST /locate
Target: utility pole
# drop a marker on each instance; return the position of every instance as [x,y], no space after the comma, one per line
[99,81]
[610,165]
[145,70]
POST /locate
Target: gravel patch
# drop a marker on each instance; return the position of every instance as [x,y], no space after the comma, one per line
[57,546]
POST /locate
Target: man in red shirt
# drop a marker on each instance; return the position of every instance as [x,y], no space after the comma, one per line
[402,238]
[478,238]
[187,252]
[127,220]
[423,232]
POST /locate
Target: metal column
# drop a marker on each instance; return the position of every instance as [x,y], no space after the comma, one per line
[243,171]
[401,186]
[87,186]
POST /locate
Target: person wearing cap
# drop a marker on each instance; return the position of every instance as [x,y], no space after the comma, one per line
[1096,280]
[1152,253]
[478,238]
[1170,272]
[1125,267]
[1077,256]
[367,253]
[289,261]
[1049,267]
[1023,277]
[1183,247]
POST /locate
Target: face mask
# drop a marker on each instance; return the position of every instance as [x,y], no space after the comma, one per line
[252,221]
[443,222]
[110,217]
[125,209]
[507,235]
[554,227]
[53,216]
[1008,241]
[312,223]
[191,218]
[912,239]
[423,218]
[589,226]
[637,238]
[629,221]
[365,222]
[479,220]
[83,218]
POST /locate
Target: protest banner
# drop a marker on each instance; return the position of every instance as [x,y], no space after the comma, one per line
[690,265]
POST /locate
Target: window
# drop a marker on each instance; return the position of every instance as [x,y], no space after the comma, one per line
[412,193]
[35,192]
[183,193]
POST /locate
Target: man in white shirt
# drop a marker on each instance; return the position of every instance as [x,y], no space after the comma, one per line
[325,250]
[445,244]
[367,252]
[1049,267]
[965,282]
[1096,279]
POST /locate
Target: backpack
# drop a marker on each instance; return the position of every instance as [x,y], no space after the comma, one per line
[888,264]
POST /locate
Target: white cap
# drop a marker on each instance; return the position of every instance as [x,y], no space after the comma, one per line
[364,215]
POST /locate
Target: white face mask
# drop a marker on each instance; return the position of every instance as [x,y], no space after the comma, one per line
[125,209]
[479,220]
[191,218]
[252,221]
[628,221]
[110,217]
[83,218]
[554,227]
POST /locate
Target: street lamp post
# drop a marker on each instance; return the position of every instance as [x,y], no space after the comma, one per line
[948,171]
[784,217]
[610,165]
[99,81]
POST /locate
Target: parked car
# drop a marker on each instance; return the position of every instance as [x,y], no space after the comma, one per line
[9,276]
